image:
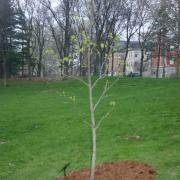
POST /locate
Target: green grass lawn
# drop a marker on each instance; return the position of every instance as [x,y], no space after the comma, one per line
[42,127]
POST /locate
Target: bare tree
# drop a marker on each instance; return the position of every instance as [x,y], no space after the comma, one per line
[39,29]
[105,17]
[146,23]
[62,15]
[109,27]
[28,10]
[160,29]
[175,30]
[131,24]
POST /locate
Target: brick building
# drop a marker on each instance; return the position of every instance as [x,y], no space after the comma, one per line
[167,62]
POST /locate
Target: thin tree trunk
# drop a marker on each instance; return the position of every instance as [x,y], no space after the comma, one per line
[29,60]
[159,56]
[141,44]
[40,65]
[142,62]
[22,62]
[93,160]
[112,65]
[4,61]
[67,35]
[125,58]
[101,68]
[39,70]
[80,67]
[22,66]
[177,64]
[1,70]
[96,62]
[61,69]
[164,66]
[29,70]
[124,65]
[5,72]
[93,124]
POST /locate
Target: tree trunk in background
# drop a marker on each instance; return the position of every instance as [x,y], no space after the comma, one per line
[164,69]
[4,71]
[112,65]
[61,69]
[96,63]
[29,60]
[1,70]
[67,34]
[141,44]
[29,70]
[177,64]
[80,65]
[4,61]
[125,58]
[124,63]
[142,62]
[22,67]
[159,55]
[39,70]
[164,66]
[101,65]
[40,64]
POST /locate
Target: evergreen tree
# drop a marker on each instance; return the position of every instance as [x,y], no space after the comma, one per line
[21,38]
[5,29]
[9,59]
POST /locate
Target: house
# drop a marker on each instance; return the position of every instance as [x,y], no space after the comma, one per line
[167,63]
[133,60]
[115,65]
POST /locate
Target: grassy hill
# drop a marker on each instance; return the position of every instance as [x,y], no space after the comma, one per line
[43,126]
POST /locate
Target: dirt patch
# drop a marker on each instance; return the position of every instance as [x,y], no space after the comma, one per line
[125,170]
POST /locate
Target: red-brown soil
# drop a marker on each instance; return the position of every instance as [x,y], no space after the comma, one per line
[125,170]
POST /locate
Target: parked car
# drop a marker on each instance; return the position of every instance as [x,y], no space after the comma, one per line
[133,74]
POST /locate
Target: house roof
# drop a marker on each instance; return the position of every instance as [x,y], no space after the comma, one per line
[132,45]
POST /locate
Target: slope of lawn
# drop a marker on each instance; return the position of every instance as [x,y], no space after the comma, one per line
[43,126]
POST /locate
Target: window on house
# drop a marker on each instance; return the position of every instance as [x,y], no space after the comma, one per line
[136,55]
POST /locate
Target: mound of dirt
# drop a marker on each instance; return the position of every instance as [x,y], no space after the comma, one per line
[125,170]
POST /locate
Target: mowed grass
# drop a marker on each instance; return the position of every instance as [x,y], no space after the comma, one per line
[43,126]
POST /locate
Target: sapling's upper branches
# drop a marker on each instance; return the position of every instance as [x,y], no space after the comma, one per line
[100,77]
[106,89]
[102,96]
[79,79]
[97,80]
[47,4]
[103,118]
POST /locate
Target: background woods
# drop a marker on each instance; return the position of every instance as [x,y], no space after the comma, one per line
[41,38]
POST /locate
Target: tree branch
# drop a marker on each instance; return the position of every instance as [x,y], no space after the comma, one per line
[103,118]
[102,96]
[79,79]
[106,89]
